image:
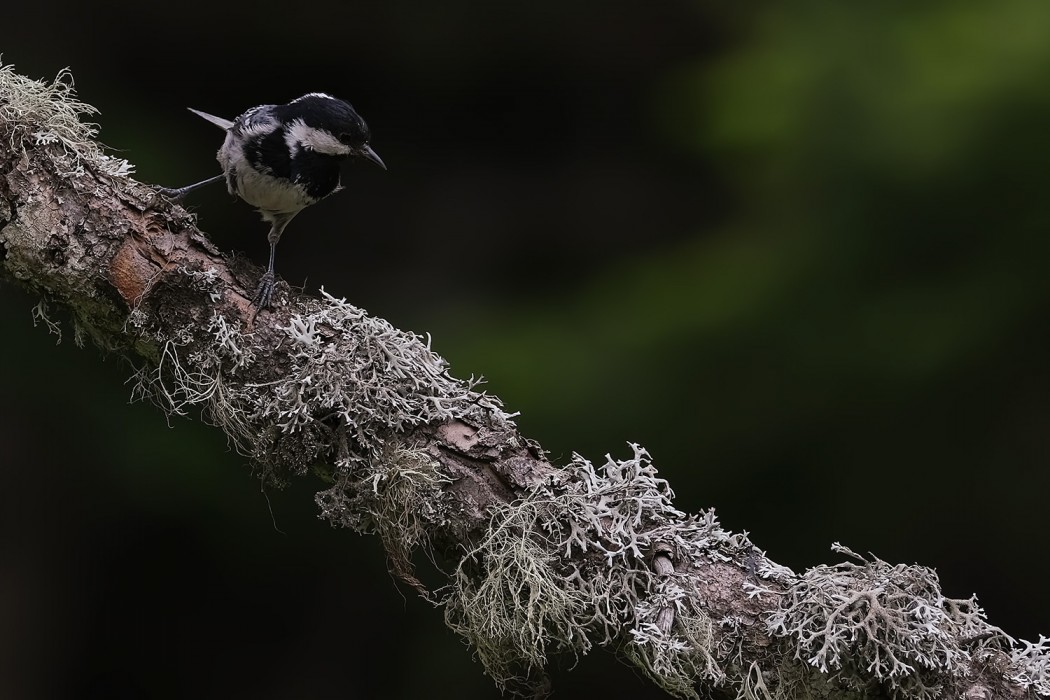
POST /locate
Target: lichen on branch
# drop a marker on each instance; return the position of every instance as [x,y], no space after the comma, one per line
[41,114]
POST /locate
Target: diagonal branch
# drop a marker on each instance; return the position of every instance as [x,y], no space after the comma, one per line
[545,560]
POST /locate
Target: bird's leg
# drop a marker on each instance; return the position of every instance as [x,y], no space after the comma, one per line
[264,290]
[180,192]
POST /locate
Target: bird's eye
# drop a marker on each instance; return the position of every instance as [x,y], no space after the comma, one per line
[353,140]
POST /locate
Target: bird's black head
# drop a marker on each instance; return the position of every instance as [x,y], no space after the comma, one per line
[328,125]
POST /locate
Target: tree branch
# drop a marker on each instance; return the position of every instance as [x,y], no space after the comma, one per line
[544,560]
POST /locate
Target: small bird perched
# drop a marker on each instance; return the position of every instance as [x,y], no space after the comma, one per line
[283,158]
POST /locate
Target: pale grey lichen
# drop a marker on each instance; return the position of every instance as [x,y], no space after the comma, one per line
[41,316]
[872,623]
[787,679]
[753,685]
[365,375]
[519,606]
[41,113]
[400,498]
[348,381]
[569,567]
[1031,665]
[675,659]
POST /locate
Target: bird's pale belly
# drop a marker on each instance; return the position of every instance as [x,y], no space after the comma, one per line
[270,194]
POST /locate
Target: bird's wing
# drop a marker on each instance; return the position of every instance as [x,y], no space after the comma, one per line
[217,121]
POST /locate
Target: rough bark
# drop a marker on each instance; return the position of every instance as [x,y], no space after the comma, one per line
[546,559]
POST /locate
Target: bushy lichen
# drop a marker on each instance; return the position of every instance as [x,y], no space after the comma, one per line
[507,598]
[400,498]
[789,679]
[367,375]
[674,659]
[1031,666]
[41,316]
[40,113]
[348,381]
[753,685]
[569,567]
[874,624]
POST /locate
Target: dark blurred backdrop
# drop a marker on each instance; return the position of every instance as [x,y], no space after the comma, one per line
[798,254]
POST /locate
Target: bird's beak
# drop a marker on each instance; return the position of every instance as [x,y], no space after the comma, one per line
[371,155]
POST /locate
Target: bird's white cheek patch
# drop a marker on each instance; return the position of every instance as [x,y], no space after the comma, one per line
[319,140]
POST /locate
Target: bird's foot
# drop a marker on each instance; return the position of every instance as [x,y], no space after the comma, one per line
[173,192]
[264,292]
[176,194]
[179,193]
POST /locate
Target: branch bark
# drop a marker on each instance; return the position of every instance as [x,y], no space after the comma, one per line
[545,559]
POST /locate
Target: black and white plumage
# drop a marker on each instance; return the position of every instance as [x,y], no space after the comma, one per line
[283,158]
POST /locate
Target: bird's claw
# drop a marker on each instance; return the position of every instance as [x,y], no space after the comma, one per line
[175,194]
[172,192]
[264,291]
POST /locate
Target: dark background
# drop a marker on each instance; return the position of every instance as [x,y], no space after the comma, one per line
[800,255]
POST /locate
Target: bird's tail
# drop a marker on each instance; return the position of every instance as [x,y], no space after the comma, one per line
[217,121]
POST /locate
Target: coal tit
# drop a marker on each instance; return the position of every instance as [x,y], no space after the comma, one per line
[283,158]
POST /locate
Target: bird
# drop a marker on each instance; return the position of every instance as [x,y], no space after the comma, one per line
[283,158]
